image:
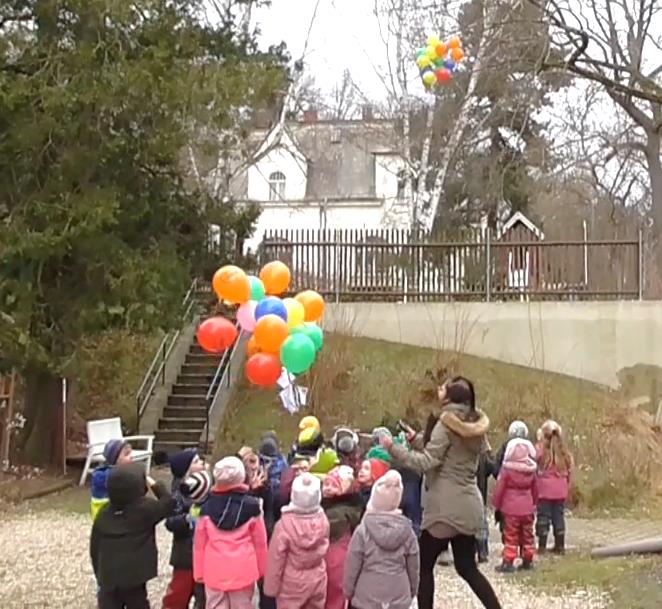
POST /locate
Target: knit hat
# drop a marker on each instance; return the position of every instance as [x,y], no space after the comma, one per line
[269,447]
[345,440]
[378,468]
[378,432]
[518,429]
[181,461]
[112,450]
[520,456]
[229,471]
[379,452]
[339,481]
[306,494]
[386,493]
[196,486]
[327,459]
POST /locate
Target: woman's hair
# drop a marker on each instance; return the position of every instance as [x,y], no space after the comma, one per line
[554,451]
[459,390]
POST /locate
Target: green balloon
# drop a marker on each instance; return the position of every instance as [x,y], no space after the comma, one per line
[257,288]
[297,353]
[312,331]
[421,52]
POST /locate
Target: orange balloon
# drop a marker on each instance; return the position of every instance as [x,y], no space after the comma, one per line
[231,284]
[251,347]
[313,304]
[454,43]
[276,277]
[457,54]
[270,333]
[441,49]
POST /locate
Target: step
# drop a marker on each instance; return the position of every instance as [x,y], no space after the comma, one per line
[187,400]
[180,389]
[171,446]
[177,435]
[195,379]
[207,359]
[209,369]
[184,412]
[182,423]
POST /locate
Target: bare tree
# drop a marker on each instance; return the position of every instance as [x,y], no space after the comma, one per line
[615,43]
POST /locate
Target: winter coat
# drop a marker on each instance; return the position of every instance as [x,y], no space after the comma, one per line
[553,485]
[450,461]
[516,493]
[296,571]
[485,470]
[181,555]
[230,541]
[98,490]
[344,514]
[123,543]
[382,563]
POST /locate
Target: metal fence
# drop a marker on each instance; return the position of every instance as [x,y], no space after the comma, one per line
[409,266]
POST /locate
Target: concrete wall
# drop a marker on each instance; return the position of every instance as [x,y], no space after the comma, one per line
[591,340]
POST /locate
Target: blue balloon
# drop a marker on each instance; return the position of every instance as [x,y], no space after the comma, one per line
[449,64]
[271,305]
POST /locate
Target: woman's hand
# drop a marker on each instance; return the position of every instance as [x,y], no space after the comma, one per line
[386,441]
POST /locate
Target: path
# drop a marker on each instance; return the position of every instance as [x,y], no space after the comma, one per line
[44,563]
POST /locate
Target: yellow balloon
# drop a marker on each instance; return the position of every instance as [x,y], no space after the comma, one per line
[295,312]
[423,61]
[433,41]
[432,53]
[429,78]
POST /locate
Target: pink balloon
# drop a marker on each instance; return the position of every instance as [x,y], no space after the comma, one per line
[246,316]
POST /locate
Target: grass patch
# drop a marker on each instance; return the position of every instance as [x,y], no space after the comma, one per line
[74,499]
[632,582]
[364,382]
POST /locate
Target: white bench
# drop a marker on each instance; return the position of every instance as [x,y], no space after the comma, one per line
[102,431]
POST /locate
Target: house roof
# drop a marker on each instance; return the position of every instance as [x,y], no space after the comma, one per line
[340,155]
[519,217]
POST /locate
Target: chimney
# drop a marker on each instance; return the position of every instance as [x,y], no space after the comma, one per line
[367,112]
[310,116]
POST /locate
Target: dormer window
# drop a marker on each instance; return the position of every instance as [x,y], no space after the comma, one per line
[277,186]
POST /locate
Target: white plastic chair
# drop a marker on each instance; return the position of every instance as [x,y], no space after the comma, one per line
[103,430]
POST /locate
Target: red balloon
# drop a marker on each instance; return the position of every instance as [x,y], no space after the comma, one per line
[263,369]
[443,75]
[216,334]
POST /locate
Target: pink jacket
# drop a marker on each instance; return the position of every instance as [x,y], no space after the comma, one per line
[552,484]
[296,570]
[230,542]
[516,493]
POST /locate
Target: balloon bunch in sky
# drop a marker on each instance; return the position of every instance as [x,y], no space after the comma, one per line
[284,331]
[439,60]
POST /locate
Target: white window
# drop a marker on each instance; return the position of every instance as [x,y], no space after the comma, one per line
[277,186]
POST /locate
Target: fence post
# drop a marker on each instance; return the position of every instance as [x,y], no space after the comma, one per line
[640,252]
[336,266]
[488,264]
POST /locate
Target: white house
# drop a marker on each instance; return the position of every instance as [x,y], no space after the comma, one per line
[327,175]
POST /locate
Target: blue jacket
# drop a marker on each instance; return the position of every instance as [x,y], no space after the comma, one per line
[181,555]
[99,489]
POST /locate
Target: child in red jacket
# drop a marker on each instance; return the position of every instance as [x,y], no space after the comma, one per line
[516,496]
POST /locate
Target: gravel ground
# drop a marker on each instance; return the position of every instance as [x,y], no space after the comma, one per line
[44,562]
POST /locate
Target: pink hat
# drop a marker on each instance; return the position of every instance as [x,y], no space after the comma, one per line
[520,456]
[386,493]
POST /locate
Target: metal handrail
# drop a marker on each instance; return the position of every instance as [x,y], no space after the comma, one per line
[223,369]
[163,354]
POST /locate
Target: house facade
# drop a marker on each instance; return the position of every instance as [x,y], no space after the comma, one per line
[326,175]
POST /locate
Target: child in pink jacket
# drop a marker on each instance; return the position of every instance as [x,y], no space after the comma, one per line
[554,472]
[230,542]
[296,569]
[516,496]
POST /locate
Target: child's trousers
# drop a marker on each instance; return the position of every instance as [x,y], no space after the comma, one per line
[123,598]
[550,513]
[181,589]
[237,599]
[518,538]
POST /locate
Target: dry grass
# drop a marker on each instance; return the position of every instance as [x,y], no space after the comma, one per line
[364,382]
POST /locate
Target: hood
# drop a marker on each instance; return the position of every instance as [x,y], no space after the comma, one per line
[520,480]
[520,456]
[465,422]
[306,531]
[126,485]
[231,510]
[388,531]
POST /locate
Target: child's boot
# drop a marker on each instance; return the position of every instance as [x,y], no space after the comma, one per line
[542,544]
[527,565]
[559,544]
[505,567]
[483,552]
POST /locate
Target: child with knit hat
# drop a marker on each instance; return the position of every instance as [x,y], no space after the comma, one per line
[296,567]
[115,452]
[343,507]
[181,588]
[375,465]
[273,463]
[230,542]
[345,441]
[383,560]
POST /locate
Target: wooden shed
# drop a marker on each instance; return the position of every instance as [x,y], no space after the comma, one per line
[518,266]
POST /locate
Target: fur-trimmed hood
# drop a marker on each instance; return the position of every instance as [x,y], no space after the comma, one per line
[466,423]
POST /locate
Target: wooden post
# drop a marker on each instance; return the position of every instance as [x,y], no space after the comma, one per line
[7,389]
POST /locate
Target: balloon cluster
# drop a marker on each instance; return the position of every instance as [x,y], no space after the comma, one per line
[284,331]
[439,60]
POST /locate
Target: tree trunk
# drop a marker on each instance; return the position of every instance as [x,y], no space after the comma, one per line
[655,175]
[42,439]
